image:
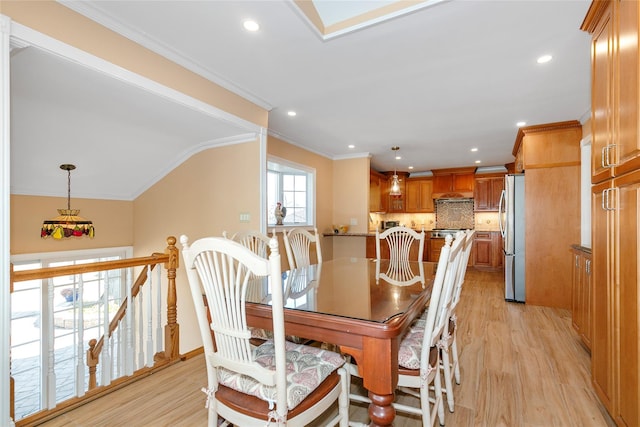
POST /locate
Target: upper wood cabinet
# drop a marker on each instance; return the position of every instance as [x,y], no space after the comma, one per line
[419,195]
[615,87]
[486,194]
[550,145]
[456,181]
[377,188]
[396,204]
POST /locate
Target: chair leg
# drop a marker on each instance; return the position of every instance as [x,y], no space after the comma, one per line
[454,351]
[428,411]
[448,376]
[343,400]
[439,404]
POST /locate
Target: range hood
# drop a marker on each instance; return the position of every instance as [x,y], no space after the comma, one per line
[454,199]
[453,196]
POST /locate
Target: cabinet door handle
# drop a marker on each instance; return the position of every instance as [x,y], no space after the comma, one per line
[588,266]
[606,200]
[606,156]
[577,260]
[607,192]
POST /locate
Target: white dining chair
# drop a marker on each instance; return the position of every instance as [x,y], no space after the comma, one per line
[449,362]
[400,239]
[255,240]
[419,353]
[297,243]
[277,383]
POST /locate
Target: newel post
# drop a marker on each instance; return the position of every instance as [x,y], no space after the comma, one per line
[172,329]
[92,363]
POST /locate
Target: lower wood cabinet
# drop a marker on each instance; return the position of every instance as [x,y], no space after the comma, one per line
[581,293]
[486,251]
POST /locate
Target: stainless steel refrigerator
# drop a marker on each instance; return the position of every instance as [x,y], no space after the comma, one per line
[511,220]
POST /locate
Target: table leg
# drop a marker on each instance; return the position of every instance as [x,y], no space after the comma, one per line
[381,411]
[379,371]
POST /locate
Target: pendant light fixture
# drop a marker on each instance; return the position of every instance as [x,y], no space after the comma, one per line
[68,223]
[395,182]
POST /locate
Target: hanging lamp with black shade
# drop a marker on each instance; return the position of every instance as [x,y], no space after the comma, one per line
[68,223]
[395,182]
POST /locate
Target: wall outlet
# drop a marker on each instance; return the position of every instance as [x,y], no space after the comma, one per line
[354,221]
[245,217]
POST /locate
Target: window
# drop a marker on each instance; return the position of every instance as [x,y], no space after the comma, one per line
[294,186]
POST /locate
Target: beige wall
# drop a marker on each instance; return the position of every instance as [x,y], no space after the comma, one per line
[324,183]
[112,219]
[202,197]
[351,201]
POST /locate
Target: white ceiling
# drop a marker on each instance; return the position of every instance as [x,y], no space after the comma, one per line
[437,82]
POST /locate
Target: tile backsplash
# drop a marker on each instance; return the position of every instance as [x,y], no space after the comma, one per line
[452,213]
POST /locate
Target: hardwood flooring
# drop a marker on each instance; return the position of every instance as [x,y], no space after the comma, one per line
[521,365]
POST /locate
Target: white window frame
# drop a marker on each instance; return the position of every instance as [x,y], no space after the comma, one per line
[282,165]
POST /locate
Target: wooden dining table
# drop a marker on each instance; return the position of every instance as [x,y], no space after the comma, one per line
[344,302]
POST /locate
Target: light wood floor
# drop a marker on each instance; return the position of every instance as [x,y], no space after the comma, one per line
[521,365]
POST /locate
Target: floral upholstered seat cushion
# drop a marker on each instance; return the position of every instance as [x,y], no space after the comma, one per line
[307,367]
[411,345]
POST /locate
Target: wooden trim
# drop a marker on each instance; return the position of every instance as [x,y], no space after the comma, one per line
[592,18]
[550,165]
[49,272]
[193,353]
[523,131]
[450,171]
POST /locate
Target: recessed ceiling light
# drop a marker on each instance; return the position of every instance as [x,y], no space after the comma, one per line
[520,124]
[250,25]
[352,146]
[410,167]
[291,113]
[478,161]
[474,149]
[398,157]
[544,59]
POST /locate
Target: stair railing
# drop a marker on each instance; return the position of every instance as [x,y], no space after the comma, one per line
[123,318]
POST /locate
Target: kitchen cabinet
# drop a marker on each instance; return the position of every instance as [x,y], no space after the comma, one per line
[615,200]
[486,193]
[551,156]
[396,204]
[435,247]
[419,195]
[615,88]
[549,145]
[456,182]
[487,250]
[377,187]
[581,293]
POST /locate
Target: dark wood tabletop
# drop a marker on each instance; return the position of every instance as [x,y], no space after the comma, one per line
[340,302]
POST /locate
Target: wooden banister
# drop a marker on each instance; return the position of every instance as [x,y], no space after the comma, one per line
[169,259]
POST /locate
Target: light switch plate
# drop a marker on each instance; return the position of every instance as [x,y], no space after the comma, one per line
[245,217]
[354,221]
